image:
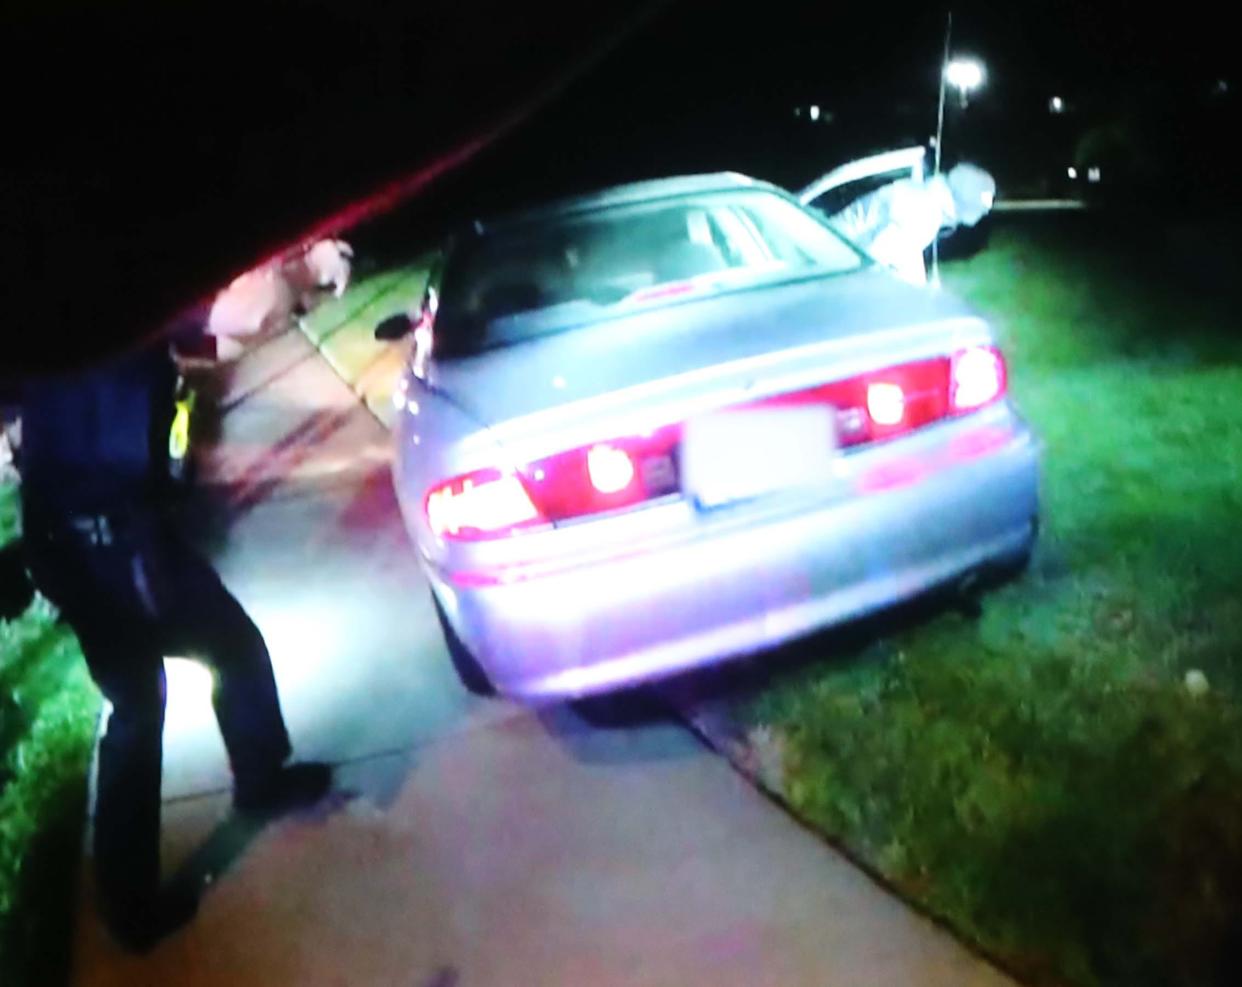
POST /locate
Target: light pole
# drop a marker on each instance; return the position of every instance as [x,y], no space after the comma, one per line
[964,75]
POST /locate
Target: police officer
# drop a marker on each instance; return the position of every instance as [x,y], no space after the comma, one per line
[99,545]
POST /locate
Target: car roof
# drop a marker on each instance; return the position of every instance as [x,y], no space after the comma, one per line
[623,195]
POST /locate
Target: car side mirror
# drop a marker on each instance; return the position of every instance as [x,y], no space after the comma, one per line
[394,327]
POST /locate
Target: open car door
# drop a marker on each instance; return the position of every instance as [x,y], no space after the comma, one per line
[839,197]
[849,182]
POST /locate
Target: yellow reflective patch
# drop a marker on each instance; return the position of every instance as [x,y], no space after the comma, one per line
[179,434]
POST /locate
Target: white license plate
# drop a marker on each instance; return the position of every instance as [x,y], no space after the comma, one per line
[736,455]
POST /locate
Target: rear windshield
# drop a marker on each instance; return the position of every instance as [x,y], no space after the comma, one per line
[511,286]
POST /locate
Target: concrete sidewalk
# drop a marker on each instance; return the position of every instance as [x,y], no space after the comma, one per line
[473,842]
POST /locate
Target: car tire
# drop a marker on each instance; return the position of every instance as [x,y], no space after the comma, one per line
[467,667]
[628,707]
[1016,565]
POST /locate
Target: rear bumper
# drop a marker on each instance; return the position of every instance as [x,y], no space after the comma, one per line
[948,504]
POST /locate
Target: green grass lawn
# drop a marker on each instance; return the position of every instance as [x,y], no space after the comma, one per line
[1042,778]
[48,708]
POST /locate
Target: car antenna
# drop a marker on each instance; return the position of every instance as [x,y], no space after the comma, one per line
[944,71]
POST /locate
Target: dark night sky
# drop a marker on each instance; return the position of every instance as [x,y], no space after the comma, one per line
[153,149]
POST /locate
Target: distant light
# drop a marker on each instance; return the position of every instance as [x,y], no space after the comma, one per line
[814,112]
[1056,105]
[965,74]
[1222,86]
[558,382]
[1093,174]
[1072,172]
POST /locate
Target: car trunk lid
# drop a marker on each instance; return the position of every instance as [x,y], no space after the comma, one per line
[632,374]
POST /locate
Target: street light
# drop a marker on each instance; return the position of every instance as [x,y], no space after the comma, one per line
[964,75]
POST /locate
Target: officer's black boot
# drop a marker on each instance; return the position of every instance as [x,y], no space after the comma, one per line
[287,789]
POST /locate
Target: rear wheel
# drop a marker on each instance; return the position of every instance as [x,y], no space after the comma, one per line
[467,667]
[1015,565]
[1021,561]
[625,708]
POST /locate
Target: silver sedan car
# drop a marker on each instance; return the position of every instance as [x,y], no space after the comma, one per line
[681,421]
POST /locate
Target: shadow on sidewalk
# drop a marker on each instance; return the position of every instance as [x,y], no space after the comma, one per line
[635,726]
[226,845]
[229,841]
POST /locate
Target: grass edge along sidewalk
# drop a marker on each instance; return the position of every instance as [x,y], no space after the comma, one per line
[48,712]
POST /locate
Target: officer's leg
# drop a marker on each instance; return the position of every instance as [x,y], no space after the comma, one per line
[94,589]
[201,618]
[128,667]
[204,619]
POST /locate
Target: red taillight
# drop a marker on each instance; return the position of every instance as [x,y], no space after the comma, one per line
[478,505]
[605,476]
[622,472]
[490,504]
[880,404]
[978,377]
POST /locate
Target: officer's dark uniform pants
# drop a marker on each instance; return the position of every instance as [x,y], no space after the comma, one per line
[141,597]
